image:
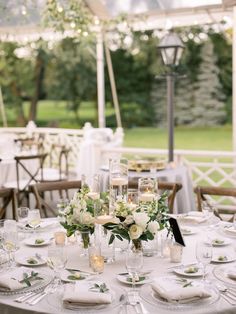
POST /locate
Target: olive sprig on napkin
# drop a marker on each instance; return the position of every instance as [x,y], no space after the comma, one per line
[185,282]
[99,288]
[28,278]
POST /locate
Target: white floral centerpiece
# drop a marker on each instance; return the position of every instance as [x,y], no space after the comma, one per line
[140,224]
[79,215]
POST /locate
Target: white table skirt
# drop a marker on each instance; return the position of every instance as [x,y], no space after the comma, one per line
[158,264]
[185,197]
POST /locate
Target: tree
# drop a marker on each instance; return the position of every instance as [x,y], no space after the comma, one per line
[208,107]
[71,73]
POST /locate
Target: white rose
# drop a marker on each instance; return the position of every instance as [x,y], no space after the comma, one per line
[135,232]
[129,220]
[153,227]
[141,219]
[86,218]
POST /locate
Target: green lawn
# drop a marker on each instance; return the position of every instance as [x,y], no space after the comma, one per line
[55,113]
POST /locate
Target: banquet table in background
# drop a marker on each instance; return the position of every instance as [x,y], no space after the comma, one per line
[51,303]
[185,197]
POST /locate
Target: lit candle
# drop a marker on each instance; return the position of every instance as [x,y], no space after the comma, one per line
[97,263]
[119,181]
[132,206]
[60,238]
[103,219]
[93,195]
[146,197]
[176,251]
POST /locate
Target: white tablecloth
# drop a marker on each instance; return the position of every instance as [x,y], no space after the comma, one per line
[185,197]
[158,264]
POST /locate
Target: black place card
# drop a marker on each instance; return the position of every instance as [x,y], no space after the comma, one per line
[176,231]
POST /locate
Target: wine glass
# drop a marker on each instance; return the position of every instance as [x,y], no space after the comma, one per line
[10,244]
[134,262]
[34,218]
[57,259]
[22,214]
[204,255]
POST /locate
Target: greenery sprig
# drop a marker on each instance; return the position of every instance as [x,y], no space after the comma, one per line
[28,278]
[99,288]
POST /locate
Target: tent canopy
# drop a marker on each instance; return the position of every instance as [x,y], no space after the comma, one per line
[19,17]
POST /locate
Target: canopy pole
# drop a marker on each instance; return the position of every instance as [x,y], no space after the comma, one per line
[113,85]
[2,108]
[100,81]
[234,81]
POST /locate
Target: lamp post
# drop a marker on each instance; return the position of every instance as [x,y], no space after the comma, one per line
[171,48]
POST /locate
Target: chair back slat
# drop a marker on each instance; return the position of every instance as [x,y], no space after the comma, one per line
[7,196]
[60,188]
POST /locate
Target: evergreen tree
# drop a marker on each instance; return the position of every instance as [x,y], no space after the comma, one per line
[209,108]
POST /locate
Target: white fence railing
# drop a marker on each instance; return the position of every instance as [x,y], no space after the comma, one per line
[214,168]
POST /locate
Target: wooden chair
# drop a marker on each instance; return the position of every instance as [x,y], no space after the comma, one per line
[46,202]
[7,196]
[58,169]
[25,176]
[30,144]
[203,191]
[172,187]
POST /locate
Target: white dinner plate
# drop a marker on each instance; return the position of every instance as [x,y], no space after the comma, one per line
[219,241]
[25,261]
[218,258]
[127,280]
[230,230]
[188,231]
[183,271]
[34,242]
[221,273]
[147,293]
[74,276]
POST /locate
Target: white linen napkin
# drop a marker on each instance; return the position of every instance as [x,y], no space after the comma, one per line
[230,230]
[194,217]
[176,292]
[79,294]
[11,280]
[232,274]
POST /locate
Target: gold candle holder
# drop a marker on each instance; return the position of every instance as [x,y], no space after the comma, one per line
[97,263]
[60,237]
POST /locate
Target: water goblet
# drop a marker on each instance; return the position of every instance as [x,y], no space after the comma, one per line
[10,245]
[204,255]
[57,259]
[134,263]
[22,214]
[34,218]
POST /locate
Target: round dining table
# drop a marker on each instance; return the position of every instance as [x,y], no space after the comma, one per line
[158,265]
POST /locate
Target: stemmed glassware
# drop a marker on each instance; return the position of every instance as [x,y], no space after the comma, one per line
[22,214]
[204,255]
[134,263]
[10,241]
[34,218]
[57,259]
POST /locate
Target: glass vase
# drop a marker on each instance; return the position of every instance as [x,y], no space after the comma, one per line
[136,245]
[85,241]
[118,177]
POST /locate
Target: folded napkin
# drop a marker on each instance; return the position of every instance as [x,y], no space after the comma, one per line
[230,230]
[232,274]
[194,217]
[173,292]
[11,280]
[79,294]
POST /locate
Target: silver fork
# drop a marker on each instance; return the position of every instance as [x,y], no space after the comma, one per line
[227,293]
[49,289]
